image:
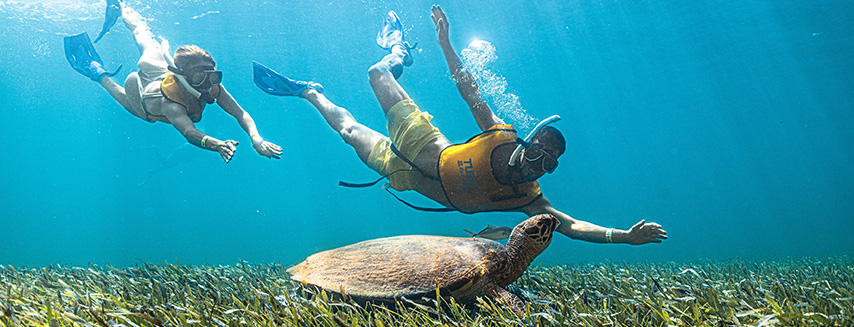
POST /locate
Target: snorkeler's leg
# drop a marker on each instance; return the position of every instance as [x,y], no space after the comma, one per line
[383,77]
[358,136]
[117,92]
[141,32]
[151,63]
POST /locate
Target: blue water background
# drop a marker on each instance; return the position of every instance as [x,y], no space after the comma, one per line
[727,122]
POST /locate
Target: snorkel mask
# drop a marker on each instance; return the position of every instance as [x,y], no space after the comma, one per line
[164,46]
[203,78]
[527,139]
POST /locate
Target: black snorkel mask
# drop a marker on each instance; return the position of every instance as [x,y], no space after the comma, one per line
[199,79]
[535,152]
[526,143]
[199,82]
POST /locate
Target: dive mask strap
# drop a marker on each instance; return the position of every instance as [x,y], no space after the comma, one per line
[525,142]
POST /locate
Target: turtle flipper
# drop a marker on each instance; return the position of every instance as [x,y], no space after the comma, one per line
[502,295]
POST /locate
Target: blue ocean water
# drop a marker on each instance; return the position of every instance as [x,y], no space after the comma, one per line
[727,122]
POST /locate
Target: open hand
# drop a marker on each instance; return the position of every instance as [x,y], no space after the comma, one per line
[441,22]
[226,149]
[268,149]
[643,233]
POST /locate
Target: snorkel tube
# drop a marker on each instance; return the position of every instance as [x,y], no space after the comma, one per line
[164,47]
[537,129]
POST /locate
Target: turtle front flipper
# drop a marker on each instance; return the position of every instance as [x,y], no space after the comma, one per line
[502,295]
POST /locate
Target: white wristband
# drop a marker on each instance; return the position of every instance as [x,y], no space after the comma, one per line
[202,143]
[608,235]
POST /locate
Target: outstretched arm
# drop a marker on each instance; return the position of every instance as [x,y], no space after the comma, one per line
[465,82]
[264,148]
[640,233]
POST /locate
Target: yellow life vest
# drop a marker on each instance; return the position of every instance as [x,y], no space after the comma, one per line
[173,90]
[465,171]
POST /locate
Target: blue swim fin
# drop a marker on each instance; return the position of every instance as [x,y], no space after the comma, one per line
[82,56]
[114,11]
[273,83]
[391,33]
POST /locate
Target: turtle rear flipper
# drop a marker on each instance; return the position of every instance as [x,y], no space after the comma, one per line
[502,295]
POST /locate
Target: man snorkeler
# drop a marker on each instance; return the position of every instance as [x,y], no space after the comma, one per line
[493,171]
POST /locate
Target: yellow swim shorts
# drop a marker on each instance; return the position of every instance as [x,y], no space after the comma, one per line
[409,130]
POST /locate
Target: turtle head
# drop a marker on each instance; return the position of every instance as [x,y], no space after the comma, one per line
[528,239]
[537,231]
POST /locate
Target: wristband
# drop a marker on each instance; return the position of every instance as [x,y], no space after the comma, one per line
[202,143]
[608,235]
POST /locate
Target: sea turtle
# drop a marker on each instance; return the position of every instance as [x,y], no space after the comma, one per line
[416,266]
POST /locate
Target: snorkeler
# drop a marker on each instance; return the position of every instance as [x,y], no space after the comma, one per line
[493,171]
[173,91]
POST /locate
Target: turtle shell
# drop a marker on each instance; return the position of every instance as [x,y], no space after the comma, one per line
[404,266]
